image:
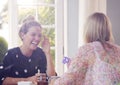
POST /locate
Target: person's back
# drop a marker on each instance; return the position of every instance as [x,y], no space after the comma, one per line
[93,66]
[105,67]
[98,61]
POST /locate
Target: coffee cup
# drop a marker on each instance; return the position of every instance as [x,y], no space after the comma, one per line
[25,83]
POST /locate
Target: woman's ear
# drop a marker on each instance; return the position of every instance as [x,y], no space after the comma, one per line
[22,35]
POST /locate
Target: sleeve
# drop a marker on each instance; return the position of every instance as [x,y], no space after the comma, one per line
[76,72]
[2,77]
[43,63]
[5,67]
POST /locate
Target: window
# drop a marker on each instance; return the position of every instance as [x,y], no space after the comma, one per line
[44,11]
[4,20]
[49,13]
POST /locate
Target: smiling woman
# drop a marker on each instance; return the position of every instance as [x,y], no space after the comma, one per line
[23,62]
[45,12]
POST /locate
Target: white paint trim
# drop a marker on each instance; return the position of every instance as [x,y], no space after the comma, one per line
[13,25]
[59,26]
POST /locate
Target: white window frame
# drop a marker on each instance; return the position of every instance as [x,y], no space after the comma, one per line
[59,26]
[13,22]
[59,14]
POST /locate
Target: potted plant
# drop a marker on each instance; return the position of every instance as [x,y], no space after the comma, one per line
[3,48]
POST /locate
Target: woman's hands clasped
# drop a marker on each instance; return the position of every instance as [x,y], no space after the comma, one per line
[41,77]
[38,77]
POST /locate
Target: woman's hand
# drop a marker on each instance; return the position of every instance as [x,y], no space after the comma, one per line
[46,48]
[41,77]
[37,78]
[45,45]
[33,79]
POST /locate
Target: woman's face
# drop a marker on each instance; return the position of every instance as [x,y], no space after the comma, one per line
[32,38]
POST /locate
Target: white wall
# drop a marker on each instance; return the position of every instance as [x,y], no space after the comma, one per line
[113,11]
[71,27]
[86,8]
[13,24]
[75,13]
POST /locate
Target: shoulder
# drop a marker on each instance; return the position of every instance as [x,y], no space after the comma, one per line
[86,52]
[85,49]
[114,45]
[89,47]
[82,58]
[39,53]
[113,48]
[10,55]
[13,50]
[39,50]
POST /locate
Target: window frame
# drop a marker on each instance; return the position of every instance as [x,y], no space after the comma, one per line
[59,26]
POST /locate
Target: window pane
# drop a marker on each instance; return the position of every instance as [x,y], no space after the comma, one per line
[46,1]
[46,15]
[4,31]
[26,2]
[51,34]
[24,11]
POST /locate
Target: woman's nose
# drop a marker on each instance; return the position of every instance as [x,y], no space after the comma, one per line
[37,38]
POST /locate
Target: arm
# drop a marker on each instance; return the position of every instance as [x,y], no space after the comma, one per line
[7,76]
[12,81]
[46,49]
[50,66]
[75,74]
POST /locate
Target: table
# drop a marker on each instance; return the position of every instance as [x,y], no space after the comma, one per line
[40,83]
[43,83]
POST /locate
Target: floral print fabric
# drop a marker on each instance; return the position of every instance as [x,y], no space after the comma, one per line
[94,64]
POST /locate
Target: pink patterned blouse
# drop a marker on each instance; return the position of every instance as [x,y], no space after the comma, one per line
[94,64]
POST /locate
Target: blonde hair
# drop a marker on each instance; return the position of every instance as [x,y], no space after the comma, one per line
[97,28]
[28,22]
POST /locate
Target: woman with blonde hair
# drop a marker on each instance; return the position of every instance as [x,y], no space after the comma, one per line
[98,61]
[28,62]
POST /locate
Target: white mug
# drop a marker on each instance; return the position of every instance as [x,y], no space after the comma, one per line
[25,83]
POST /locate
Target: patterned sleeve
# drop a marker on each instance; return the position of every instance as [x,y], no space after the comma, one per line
[44,63]
[5,68]
[1,73]
[76,71]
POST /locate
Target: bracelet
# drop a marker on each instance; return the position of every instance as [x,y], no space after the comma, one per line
[52,78]
[47,78]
